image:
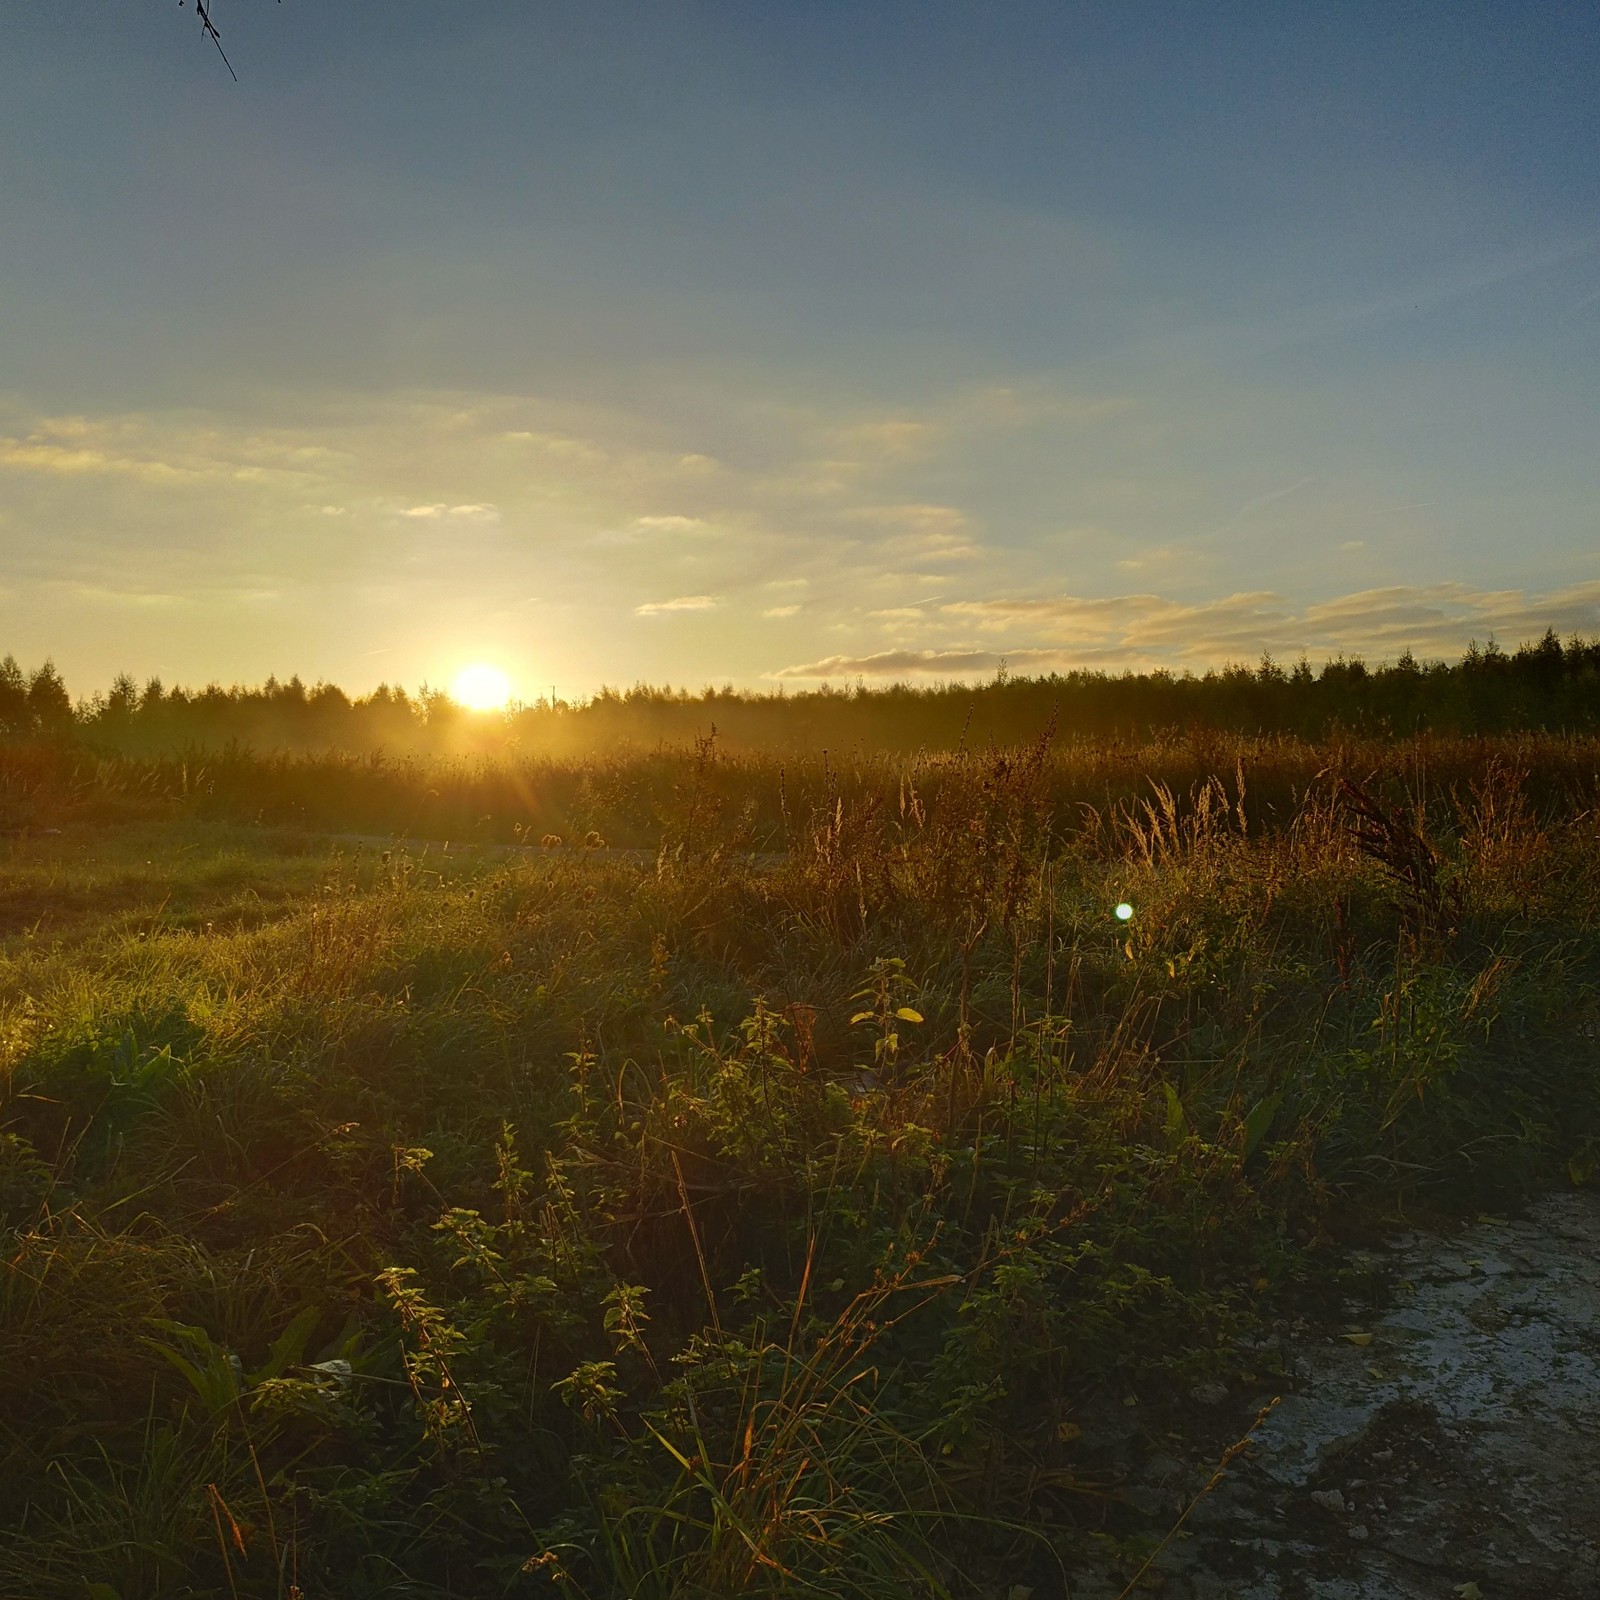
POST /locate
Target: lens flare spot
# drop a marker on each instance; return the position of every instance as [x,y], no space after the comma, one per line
[481,687]
[1124,912]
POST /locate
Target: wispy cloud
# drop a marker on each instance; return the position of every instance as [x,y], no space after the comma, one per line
[668,524]
[1261,501]
[162,451]
[684,602]
[376,511]
[104,595]
[76,460]
[882,663]
[1145,630]
[1164,558]
[891,438]
[917,533]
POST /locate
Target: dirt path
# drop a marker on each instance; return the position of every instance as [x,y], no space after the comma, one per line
[1456,1454]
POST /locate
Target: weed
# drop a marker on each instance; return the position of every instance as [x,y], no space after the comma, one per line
[763,1204]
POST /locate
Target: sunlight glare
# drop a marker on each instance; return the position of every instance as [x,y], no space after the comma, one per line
[481,687]
[1124,912]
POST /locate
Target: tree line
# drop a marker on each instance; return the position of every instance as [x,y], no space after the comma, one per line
[1545,685]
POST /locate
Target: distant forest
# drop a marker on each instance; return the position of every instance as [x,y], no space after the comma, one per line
[1546,686]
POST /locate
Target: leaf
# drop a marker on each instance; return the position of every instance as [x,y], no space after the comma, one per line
[908,1014]
[290,1345]
[1359,1340]
[1467,1591]
[1258,1123]
[217,1382]
[182,1363]
[862,1016]
[101,1591]
[1066,1432]
[1177,1123]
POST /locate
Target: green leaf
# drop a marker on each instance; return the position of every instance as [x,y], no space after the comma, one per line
[908,1014]
[1177,1122]
[214,1374]
[1258,1123]
[862,1016]
[289,1347]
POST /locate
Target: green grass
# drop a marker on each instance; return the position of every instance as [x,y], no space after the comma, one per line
[714,1225]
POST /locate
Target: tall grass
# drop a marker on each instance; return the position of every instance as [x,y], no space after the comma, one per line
[759,799]
[788,1213]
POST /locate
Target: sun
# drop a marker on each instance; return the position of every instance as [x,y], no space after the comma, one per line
[481,687]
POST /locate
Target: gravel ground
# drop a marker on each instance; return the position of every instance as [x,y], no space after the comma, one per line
[1445,1447]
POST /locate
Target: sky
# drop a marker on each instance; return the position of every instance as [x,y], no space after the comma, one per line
[790,341]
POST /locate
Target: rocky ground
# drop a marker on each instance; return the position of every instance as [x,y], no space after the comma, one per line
[1444,1445]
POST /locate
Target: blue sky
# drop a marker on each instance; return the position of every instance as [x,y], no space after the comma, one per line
[778,342]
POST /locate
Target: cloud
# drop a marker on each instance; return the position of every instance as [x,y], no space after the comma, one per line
[1036,403]
[1203,630]
[946,663]
[917,613]
[919,532]
[1146,630]
[668,524]
[476,512]
[840,519]
[561,447]
[1165,557]
[890,439]
[913,518]
[42,455]
[105,595]
[684,602]
[162,450]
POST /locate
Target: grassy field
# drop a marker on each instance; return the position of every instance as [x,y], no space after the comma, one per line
[798,1209]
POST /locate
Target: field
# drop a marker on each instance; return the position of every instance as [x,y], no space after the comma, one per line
[730,1176]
